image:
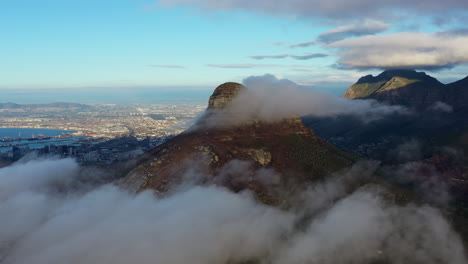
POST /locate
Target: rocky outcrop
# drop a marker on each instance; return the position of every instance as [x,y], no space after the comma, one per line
[224,94]
[260,156]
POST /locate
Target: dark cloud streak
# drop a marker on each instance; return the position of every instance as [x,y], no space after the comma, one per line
[361,28]
[261,57]
[306,56]
[303,44]
[309,56]
[244,66]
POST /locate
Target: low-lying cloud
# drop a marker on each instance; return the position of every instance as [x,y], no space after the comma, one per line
[441,107]
[43,224]
[403,50]
[271,99]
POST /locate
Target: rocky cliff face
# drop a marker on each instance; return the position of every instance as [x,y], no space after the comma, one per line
[286,147]
[224,94]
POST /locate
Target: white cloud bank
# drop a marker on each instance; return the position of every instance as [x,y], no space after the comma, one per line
[403,50]
[43,224]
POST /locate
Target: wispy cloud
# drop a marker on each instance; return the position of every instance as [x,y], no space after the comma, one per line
[303,70]
[302,44]
[361,28]
[277,43]
[306,56]
[463,31]
[453,19]
[169,66]
[309,56]
[261,57]
[244,66]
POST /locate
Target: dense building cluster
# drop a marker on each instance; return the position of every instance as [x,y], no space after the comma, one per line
[104,133]
[104,120]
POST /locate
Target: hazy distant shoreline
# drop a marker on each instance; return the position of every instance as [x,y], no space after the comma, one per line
[103,96]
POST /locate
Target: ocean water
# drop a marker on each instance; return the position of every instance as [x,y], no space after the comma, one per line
[36,144]
[28,132]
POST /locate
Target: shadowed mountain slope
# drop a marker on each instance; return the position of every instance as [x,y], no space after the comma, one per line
[457,94]
[406,87]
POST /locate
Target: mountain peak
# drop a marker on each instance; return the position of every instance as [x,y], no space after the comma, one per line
[399,86]
[400,71]
[224,94]
[389,74]
[405,73]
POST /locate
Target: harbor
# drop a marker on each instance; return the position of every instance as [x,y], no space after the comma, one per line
[35,138]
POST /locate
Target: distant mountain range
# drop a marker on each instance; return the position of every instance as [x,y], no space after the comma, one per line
[439,114]
[411,88]
[438,117]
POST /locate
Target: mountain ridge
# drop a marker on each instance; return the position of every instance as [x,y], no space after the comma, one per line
[410,88]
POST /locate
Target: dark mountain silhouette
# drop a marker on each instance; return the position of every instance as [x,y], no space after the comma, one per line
[410,88]
[439,114]
[457,94]
[439,117]
[433,139]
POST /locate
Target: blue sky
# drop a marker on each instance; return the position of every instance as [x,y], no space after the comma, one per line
[199,44]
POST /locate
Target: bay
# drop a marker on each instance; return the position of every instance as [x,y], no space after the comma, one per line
[27,133]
